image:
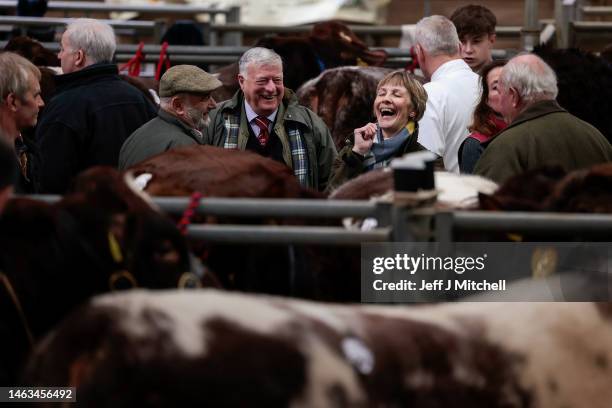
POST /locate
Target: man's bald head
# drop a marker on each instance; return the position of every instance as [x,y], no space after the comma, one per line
[526,79]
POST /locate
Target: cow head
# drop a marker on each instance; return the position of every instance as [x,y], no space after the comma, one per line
[337,45]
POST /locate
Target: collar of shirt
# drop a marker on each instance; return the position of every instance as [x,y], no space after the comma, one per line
[450,67]
[251,115]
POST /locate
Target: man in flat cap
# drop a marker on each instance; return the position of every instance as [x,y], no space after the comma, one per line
[185,101]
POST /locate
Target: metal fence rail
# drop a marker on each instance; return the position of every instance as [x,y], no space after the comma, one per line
[563,224]
[232,13]
[445,223]
[265,234]
[155,29]
[398,57]
[218,31]
[597,10]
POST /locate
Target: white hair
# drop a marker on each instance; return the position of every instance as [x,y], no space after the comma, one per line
[258,56]
[95,38]
[437,35]
[533,79]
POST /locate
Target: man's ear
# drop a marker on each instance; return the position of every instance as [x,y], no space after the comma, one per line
[177,104]
[80,59]
[492,38]
[240,80]
[516,97]
[419,53]
[11,101]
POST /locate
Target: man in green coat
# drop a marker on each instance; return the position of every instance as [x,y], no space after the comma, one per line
[540,132]
[185,94]
[265,118]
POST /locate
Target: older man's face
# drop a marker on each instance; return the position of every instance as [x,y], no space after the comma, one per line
[29,105]
[508,103]
[263,87]
[197,108]
[68,56]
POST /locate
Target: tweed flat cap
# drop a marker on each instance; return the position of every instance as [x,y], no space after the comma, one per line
[187,78]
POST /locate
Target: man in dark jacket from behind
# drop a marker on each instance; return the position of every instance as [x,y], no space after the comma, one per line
[93,111]
[184,91]
[540,132]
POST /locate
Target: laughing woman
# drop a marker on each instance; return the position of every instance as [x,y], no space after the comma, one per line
[399,104]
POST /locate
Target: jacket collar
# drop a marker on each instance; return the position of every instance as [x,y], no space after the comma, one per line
[292,111]
[168,117]
[456,65]
[536,110]
[66,81]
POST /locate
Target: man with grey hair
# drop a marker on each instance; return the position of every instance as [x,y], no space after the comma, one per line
[264,117]
[92,112]
[540,132]
[19,106]
[452,92]
[185,95]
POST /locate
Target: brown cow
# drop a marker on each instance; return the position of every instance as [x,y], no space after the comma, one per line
[53,257]
[218,172]
[317,273]
[550,188]
[233,350]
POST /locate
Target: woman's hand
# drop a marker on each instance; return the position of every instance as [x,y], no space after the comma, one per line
[364,137]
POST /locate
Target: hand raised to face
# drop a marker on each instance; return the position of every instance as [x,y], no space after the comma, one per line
[364,138]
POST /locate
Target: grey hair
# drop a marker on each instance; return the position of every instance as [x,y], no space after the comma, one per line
[258,56]
[534,80]
[16,71]
[95,38]
[438,35]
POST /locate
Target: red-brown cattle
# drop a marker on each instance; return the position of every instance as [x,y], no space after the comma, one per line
[277,269]
[53,257]
[218,172]
[233,350]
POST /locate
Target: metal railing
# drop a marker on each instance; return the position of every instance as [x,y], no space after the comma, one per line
[86,7]
[395,224]
[217,32]
[152,28]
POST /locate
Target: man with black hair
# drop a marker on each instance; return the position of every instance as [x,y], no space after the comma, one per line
[476,29]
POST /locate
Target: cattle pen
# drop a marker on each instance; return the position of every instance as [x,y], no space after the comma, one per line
[394,223]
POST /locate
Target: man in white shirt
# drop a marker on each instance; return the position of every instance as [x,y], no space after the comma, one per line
[452,91]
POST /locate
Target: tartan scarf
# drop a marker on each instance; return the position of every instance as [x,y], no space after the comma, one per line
[297,145]
[383,151]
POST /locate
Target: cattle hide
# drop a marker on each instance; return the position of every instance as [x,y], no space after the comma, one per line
[57,256]
[550,188]
[585,85]
[218,172]
[316,272]
[232,350]
[344,98]
[33,51]
[453,190]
